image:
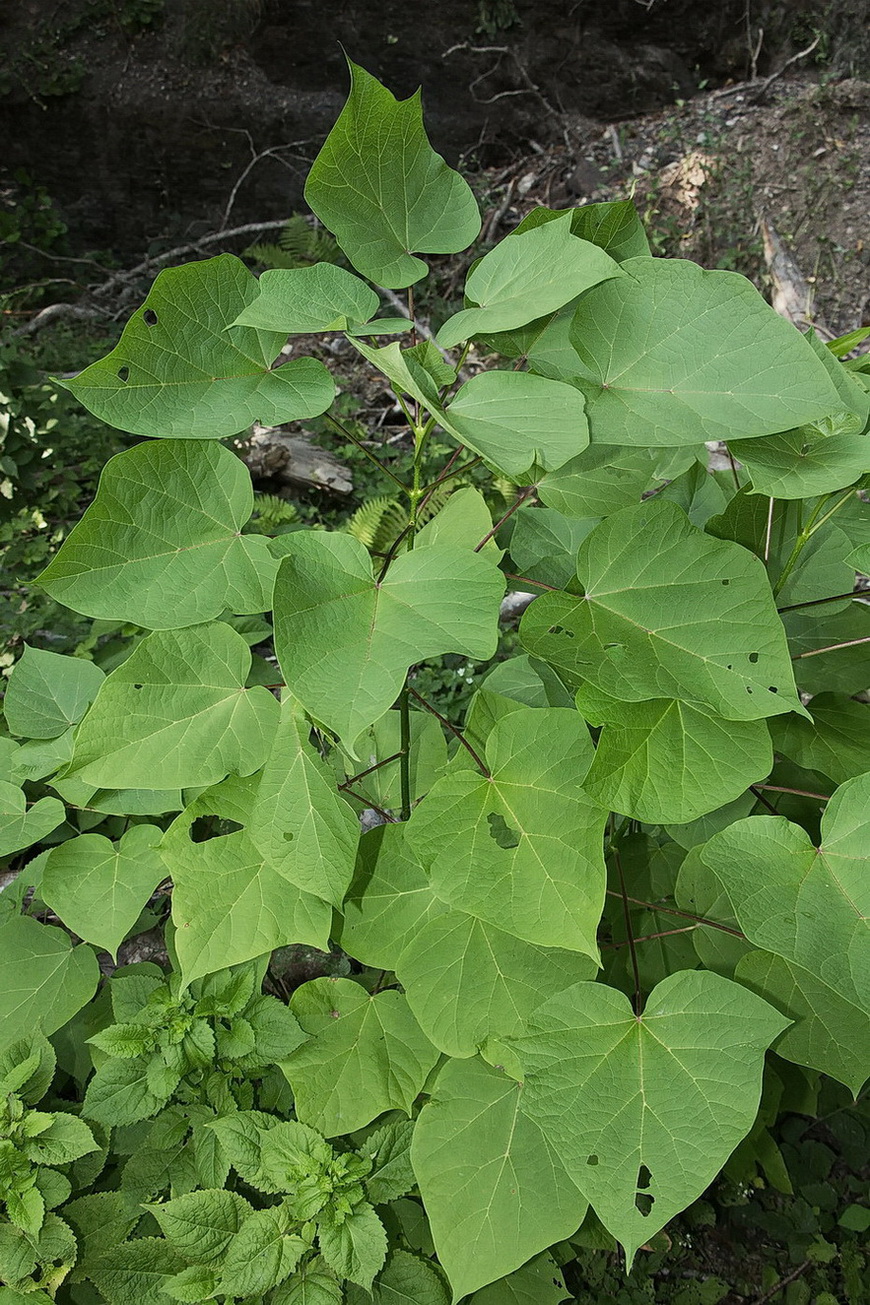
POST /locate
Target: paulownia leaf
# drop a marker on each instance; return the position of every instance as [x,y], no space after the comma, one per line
[44,980]
[672,354]
[836,741]
[544,544]
[598,481]
[539,1282]
[161,544]
[47,693]
[299,822]
[664,760]
[378,185]
[229,903]
[614,226]
[809,907]
[365,1054]
[345,641]
[467,981]
[644,1111]
[667,612]
[21,825]
[522,848]
[526,276]
[390,899]
[374,747]
[182,369]
[98,888]
[518,421]
[845,670]
[495,1189]
[177,712]
[306,299]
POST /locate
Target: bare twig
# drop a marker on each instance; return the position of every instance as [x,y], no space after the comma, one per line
[484,769]
[789,63]
[783,1282]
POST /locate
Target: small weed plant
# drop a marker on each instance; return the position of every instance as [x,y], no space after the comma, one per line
[598,917]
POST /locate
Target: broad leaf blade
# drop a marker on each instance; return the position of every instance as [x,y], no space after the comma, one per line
[181,369]
[44,980]
[47,693]
[306,299]
[378,185]
[518,421]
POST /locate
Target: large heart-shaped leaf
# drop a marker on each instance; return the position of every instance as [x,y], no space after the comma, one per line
[667,611]
[810,907]
[21,825]
[836,741]
[495,1189]
[299,822]
[645,1110]
[518,421]
[303,299]
[98,888]
[525,276]
[378,185]
[521,848]
[47,693]
[177,713]
[599,481]
[365,1054]
[44,980]
[182,369]
[664,760]
[345,640]
[672,354]
[614,226]
[229,904]
[162,545]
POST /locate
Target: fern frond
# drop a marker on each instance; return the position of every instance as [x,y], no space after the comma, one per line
[377,523]
[270,512]
[298,245]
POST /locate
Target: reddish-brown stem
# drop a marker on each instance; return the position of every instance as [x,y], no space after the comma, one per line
[373,457]
[630,935]
[484,769]
[672,910]
[530,489]
[377,766]
[538,584]
[753,788]
[817,602]
[798,792]
[649,937]
[817,652]
[361,797]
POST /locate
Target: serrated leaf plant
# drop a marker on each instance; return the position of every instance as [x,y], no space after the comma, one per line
[586,920]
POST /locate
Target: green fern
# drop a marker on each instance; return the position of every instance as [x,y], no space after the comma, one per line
[299,245]
[379,521]
[270,514]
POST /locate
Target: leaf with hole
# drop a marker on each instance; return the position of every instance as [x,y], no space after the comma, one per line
[182,369]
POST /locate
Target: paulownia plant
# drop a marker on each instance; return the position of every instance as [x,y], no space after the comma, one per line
[593,914]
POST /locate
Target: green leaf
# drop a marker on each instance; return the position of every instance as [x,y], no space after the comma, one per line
[388,1149]
[405,1280]
[194,1284]
[494,1188]
[229,903]
[846,670]
[522,849]
[299,822]
[836,741]
[161,544]
[67,1138]
[313,1283]
[539,1282]
[390,899]
[463,520]
[600,480]
[428,756]
[829,1033]
[44,980]
[818,458]
[671,354]
[544,544]
[658,595]
[357,1248]
[807,906]
[525,276]
[663,760]
[99,1220]
[365,1054]
[19,825]
[345,642]
[378,185]
[182,369]
[120,1093]
[98,888]
[201,1225]
[681,1086]
[518,421]
[27,1066]
[306,299]
[135,1271]
[467,981]
[615,226]
[48,693]
[177,712]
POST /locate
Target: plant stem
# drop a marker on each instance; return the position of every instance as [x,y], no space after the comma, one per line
[672,910]
[484,769]
[798,792]
[537,584]
[627,913]
[816,602]
[817,652]
[405,754]
[343,430]
[530,489]
[370,769]
[806,534]
[649,937]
